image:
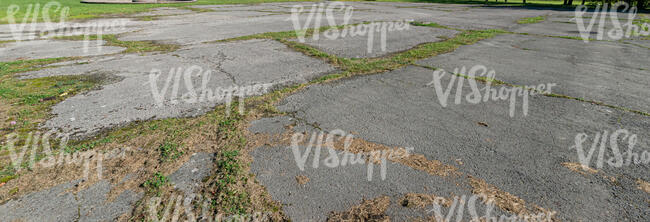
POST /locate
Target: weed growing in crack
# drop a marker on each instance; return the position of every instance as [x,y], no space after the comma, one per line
[229,172]
[131,46]
[154,184]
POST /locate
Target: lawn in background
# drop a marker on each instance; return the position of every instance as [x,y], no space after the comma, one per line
[80,10]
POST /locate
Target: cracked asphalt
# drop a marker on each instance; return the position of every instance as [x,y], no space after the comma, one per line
[522,144]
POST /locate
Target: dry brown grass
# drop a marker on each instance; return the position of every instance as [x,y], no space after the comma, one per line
[645,186]
[368,210]
[579,168]
[418,200]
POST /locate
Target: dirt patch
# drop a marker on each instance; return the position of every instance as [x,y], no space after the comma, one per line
[421,201]
[368,210]
[302,180]
[645,186]
[579,168]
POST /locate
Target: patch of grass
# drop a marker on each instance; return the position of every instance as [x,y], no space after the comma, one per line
[353,66]
[140,47]
[28,100]
[282,35]
[569,37]
[80,147]
[7,178]
[2,42]
[169,151]
[13,191]
[229,173]
[79,11]
[531,20]
[269,35]
[430,24]
[154,184]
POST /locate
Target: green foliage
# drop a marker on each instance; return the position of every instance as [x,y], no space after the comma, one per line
[154,184]
[229,173]
[31,99]
[169,151]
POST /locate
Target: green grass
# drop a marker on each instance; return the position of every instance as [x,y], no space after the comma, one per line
[430,24]
[157,181]
[78,10]
[2,42]
[169,151]
[131,46]
[354,66]
[30,99]
[531,20]
[229,173]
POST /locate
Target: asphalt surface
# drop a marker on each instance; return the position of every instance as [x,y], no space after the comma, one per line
[520,146]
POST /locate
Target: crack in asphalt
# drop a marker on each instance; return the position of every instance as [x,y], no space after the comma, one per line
[554,95]
[221,57]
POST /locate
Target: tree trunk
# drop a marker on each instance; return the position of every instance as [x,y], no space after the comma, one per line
[565,1]
[583,2]
[570,2]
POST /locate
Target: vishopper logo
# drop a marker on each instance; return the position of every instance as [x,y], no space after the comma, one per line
[315,17]
[47,159]
[179,206]
[48,29]
[616,159]
[204,94]
[627,29]
[345,157]
[489,93]
[458,204]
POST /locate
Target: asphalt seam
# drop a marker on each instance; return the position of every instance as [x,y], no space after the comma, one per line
[552,95]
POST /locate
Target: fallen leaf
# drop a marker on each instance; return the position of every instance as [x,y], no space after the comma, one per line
[483,124]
